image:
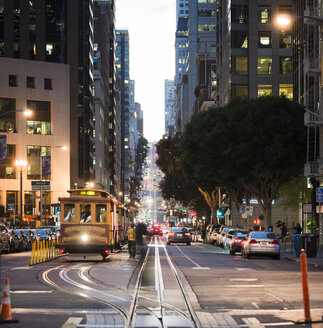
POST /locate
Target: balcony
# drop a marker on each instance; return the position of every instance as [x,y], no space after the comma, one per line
[312,66]
[312,119]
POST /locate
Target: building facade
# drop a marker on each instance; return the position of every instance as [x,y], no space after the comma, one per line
[254,55]
[169,90]
[58,31]
[38,139]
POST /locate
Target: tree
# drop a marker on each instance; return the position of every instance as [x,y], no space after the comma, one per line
[173,185]
[250,146]
[141,153]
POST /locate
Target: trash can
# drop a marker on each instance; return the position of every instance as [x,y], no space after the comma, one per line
[296,247]
[309,244]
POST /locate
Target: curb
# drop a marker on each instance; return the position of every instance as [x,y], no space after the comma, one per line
[298,261]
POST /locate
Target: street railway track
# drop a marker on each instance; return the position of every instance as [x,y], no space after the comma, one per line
[128,309]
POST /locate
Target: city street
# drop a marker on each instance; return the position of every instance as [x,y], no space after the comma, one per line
[178,286]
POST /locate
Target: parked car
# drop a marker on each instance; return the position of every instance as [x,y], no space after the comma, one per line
[4,239]
[261,243]
[30,237]
[209,230]
[221,236]
[229,235]
[156,230]
[14,241]
[179,235]
[42,234]
[213,235]
[236,242]
[197,236]
[23,241]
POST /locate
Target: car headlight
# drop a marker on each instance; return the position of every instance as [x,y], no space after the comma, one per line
[84,237]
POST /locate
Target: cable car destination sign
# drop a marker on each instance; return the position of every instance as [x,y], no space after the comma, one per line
[36,185]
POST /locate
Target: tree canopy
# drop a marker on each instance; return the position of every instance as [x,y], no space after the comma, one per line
[250,146]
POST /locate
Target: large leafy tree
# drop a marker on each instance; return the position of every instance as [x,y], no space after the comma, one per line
[250,147]
[173,185]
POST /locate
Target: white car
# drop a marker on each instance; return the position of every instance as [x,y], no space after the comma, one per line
[220,236]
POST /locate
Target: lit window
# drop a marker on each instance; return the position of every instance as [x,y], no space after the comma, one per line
[264,65]
[285,40]
[286,90]
[286,65]
[264,90]
[239,65]
[264,15]
[264,39]
[239,90]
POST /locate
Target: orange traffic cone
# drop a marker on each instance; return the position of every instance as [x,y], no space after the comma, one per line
[6,303]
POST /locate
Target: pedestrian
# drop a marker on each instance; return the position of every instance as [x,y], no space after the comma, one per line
[132,241]
[204,234]
[298,229]
[283,230]
[141,231]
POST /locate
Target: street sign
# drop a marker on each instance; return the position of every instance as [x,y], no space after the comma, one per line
[249,210]
[319,195]
[35,185]
[307,208]
[11,207]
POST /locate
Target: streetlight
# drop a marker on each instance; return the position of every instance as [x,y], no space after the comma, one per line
[21,164]
[41,179]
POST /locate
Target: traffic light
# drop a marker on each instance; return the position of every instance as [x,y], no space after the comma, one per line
[220,212]
[256,222]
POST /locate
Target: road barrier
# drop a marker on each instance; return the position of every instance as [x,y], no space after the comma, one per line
[6,305]
[44,251]
[306,298]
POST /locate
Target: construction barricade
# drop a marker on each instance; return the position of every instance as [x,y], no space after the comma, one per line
[44,251]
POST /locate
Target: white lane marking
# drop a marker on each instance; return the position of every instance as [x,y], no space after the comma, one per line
[274,296]
[159,283]
[197,265]
[242,269]
[201,268]
[72,322]
[27,267]
[243,279]
[243,286]
[31,291]
[255,305]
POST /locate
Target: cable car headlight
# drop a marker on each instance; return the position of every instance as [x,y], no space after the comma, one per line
[84,237]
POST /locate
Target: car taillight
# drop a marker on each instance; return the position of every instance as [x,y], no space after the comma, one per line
[171,234]
[151,229]
[160,229]
[275,242]
[186,234]
[237,240]
[252,241]
[106,251]
[62,251]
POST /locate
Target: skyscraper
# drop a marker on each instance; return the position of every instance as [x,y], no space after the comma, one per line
[169,107]
[58,31]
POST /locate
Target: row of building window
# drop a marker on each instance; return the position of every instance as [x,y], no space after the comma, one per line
[263,90]
[239,39]
[38,157]
[30,82]
[239,65]
[38,123]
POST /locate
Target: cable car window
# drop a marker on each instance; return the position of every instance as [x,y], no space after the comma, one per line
[101,213]
[85,213]
[69,213]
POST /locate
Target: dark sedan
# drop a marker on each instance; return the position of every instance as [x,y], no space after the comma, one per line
[235,245]
[179,235]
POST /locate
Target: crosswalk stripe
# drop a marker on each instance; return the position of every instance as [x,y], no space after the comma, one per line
[72,322]
[253,322]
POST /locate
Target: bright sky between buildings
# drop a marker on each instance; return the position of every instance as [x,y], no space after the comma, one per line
[152,26]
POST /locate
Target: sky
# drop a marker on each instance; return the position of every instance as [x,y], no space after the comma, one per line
[151,25]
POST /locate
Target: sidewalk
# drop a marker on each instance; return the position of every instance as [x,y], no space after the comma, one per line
[314,261]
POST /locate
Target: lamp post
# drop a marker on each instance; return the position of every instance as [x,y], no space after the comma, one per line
[21,164]
[41,179]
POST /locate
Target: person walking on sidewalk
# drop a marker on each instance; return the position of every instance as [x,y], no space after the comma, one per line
[132,241]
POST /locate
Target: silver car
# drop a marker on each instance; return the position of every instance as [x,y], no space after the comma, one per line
[261,243]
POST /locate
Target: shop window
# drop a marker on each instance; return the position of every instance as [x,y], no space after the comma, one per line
[239,91]
[30,202]
[264,90]
[239,65]
[12,202]
[264,15]
[286,65]
[239,14]
[239,39]
[264,39]
[7,165]
[285,40]
[286,90]
[7,115]
[41,117]
[38,157]
[46,201]
[13,81]
[264,65]
[101,213]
